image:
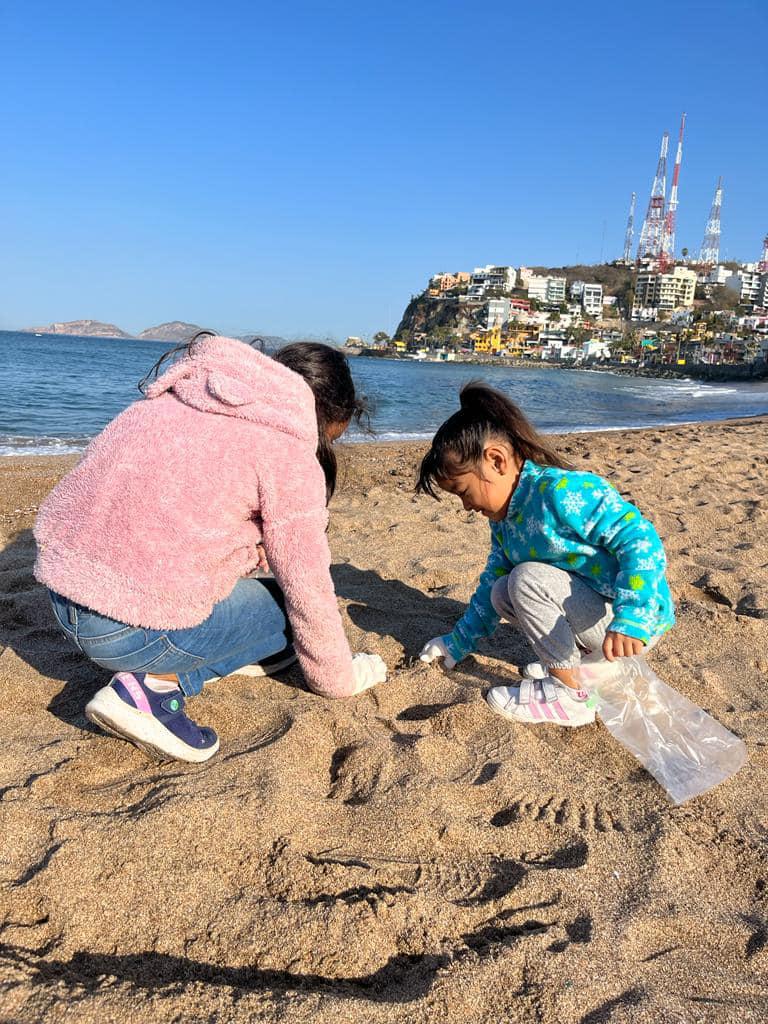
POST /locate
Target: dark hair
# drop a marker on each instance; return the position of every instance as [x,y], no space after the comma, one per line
[324,369]
[327,373]
[172,355]
[485,413]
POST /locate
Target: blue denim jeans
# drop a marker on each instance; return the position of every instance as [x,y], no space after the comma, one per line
[245,627]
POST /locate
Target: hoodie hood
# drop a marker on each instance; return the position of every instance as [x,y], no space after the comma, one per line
[228,377]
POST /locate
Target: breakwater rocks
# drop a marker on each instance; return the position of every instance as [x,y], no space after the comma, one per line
[716,372]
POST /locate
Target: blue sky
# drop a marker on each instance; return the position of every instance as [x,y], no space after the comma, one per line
[302,169]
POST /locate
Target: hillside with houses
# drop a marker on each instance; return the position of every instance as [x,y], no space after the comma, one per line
[677,317]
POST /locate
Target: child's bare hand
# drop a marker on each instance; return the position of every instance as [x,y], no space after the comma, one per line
[619,645]
[263,563]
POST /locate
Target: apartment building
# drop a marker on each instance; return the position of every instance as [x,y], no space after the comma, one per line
[549,290]
[747,284]
[519,308]
[665,291]
[718,275]
[592,299]
[444,282]
[488,342]
[498,312]
[484,278]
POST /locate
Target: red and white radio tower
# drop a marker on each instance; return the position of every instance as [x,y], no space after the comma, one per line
[667,253]
[710,247]
[652,233]
[763,264]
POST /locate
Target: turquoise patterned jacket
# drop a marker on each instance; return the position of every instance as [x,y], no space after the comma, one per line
[577,522]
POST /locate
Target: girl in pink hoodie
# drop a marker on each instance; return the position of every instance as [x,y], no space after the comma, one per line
[147,545]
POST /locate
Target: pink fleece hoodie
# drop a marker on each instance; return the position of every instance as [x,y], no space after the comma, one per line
[163,514]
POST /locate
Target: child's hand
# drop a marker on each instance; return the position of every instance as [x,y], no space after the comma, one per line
[368,670]
[434,649]
[619,645]
[263,563]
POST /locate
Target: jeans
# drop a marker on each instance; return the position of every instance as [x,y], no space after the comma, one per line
[561,615]
[243,628]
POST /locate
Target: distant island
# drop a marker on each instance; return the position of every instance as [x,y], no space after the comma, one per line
[89,328]
[173,332]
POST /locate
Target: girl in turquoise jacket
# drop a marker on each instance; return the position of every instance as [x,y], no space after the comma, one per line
[576,567]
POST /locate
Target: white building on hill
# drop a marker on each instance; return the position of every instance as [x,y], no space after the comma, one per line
[549,290]
[592,299]
[483,278]
[746,283]
[664,291]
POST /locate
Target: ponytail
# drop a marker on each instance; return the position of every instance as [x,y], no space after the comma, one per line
[485,413]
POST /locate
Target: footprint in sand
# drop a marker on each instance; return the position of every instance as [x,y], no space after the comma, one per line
[356,772]
[581,815]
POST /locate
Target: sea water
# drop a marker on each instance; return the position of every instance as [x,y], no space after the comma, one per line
[59,391]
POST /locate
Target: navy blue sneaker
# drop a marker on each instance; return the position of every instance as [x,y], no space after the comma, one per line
[154,722]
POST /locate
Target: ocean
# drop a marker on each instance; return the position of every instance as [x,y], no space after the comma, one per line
[60,391]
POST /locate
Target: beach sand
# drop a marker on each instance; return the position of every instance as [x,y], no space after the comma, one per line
[405,855]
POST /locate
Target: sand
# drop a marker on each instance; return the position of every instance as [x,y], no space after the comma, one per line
[405,855]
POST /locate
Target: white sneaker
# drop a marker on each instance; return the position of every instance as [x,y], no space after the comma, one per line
[542,702]
[534,670]
[269,666]
[266,667]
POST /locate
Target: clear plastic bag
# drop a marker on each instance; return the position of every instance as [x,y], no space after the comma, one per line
[685,749]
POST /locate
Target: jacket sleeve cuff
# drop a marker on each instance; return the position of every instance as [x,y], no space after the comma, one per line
[455,647]
[629,628]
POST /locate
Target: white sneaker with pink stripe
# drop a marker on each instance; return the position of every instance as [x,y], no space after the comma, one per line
[542,702]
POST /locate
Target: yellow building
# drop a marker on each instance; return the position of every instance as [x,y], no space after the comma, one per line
[515,339]
[488,342]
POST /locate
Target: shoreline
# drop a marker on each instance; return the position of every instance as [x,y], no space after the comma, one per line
[716,373]
[392,443]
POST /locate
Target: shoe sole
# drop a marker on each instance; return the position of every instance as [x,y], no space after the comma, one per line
[258,671]
[512,717]
[117,718]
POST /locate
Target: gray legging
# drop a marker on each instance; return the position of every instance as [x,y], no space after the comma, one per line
[561,615]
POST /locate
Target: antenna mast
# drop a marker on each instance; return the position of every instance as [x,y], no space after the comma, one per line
[667,253]
[763,264]
[710,247]
[652,231]
[630,231]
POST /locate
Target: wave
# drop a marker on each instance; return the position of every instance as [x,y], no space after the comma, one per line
[390,436]
[17,444]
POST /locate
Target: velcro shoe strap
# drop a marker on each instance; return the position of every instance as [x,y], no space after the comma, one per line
[526,691]
[549,690]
